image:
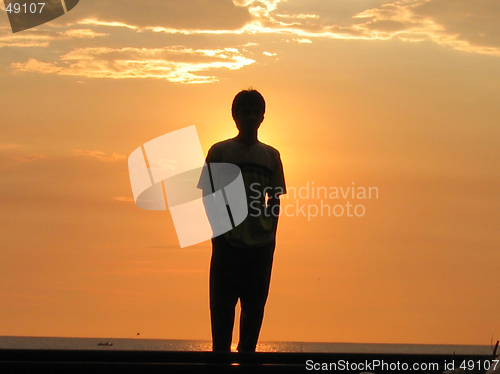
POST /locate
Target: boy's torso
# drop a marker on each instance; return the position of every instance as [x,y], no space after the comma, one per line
[261,170]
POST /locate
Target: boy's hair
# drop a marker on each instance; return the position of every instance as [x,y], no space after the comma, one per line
[245,97]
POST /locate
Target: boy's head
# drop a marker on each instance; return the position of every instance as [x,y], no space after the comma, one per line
[248,97]
[248,109]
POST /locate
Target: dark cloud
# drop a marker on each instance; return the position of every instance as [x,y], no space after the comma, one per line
[181,14]
[476,22]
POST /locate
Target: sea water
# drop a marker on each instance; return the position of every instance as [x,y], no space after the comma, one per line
[20,342]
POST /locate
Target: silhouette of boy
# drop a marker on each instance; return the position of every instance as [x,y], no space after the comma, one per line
[242,258]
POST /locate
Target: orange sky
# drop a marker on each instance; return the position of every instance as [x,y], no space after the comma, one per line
[402,96]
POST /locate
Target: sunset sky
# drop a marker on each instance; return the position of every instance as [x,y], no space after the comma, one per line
[398,95]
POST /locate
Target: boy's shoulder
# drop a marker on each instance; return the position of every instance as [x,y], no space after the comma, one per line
[232,144]
[222,144]
[269,148]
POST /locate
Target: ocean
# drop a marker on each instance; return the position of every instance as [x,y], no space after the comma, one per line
[20,342]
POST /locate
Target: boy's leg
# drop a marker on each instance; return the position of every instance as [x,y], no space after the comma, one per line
[256,276]
[224,284]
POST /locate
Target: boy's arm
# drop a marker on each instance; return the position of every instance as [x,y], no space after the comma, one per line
[206,184]
[279,188]
[274,208]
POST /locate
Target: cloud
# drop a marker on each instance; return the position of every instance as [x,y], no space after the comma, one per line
[470,26]
[463,25]
[259,8]
[192,14]
[14,152]
[42,38]
[25,39]
[125,199]
[298,16]
[11,151]
[474,22]
[33,65]
[94,22]
[176,64]
[101,156]
[9,146]
[30,158]
[82,33]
